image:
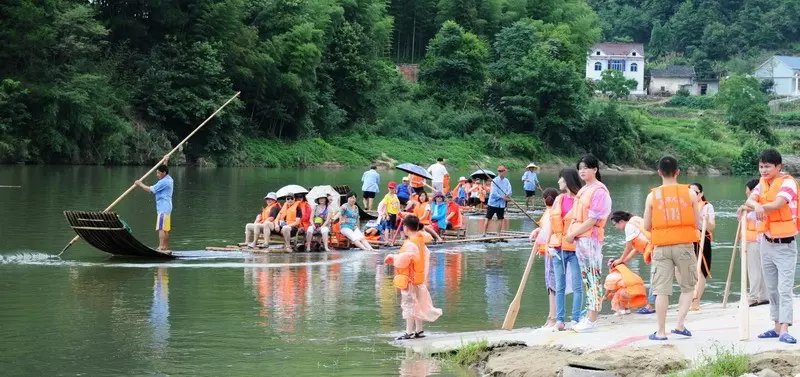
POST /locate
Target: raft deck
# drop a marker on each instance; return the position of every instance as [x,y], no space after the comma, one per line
[107,232]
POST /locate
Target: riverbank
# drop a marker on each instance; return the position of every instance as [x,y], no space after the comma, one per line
[621,346]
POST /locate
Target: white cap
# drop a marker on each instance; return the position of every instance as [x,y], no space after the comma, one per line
[272,196]
[462,178]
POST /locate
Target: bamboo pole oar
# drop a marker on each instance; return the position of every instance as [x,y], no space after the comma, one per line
[744,305]
[166,156]
[513,309]
[702,258]
[5,186]
[730,267]
[503,191]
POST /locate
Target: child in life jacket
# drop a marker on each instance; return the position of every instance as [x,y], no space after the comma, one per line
[541,238]
[411,274]
[625,289]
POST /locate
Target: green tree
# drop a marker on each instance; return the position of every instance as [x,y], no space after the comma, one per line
[454,69]
[614,84]
[745,105]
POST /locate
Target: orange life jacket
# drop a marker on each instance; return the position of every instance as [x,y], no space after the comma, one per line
[422,212]
[581,211]
[291,213]
[417,181]
[674,221]
[418,263]
[446,183]
[559,222]
[637,294]
[403,275]
[306,211]
[754,228]
[642,242]
[266,210]
[778,223]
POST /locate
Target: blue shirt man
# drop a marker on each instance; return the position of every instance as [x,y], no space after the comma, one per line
[498,197]
[163,193]
[371,181]
[404,191]
[530,180]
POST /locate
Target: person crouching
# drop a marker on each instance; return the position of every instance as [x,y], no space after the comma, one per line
[411,274]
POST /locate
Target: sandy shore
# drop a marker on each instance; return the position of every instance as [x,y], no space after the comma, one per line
[621,344]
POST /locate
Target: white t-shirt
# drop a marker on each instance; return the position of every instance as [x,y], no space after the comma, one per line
[438,172]
[708,210]
[631,232]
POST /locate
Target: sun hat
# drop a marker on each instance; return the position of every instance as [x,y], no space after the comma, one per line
[272,196]
[531,165]
[405,178]
[462,178]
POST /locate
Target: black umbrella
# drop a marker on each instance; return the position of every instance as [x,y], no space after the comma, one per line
[414,169]
[483,174]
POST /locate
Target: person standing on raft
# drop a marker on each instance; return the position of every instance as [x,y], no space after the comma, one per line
[672,216]
[163,193]
[530,180]
[499,195]
[589,214]
[774,201]
[411,275]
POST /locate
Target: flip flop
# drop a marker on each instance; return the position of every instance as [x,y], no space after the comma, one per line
[768,334]
[405,336]
[653,336]
[419,334]
[645,310]
[684,332]
[786,338]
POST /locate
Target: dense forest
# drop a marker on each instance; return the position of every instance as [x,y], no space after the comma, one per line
[119,82]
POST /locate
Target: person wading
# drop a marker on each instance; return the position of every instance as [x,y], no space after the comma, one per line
[163,193]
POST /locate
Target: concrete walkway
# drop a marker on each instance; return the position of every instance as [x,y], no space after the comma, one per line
[711,326]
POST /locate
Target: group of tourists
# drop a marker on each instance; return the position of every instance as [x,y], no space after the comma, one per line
[668,236]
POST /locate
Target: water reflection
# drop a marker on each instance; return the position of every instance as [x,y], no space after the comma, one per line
[496,290]
[414,365]
[159,309]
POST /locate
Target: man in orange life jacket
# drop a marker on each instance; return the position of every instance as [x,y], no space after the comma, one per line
[774,202]
[672,216]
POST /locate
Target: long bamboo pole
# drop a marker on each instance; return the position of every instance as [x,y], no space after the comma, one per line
[730,267]
[166,156]
[504,193]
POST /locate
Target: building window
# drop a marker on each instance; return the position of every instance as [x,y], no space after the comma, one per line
[634,67]
[597,53]
[618,65]
[634,53]
[598,66]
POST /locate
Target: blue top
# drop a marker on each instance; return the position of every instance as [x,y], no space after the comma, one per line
[371,180]
[163,192]
[439,214]
[529,180]
[496,195]
[403,191]
[349,217]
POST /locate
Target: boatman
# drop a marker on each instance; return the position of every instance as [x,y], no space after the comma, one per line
[498,199]
[369,187]
[672,215]
[530,180]
[774,201]
[163,192]
[438,171]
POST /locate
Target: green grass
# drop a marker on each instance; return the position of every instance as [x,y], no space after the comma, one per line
[724,362]
[468,354]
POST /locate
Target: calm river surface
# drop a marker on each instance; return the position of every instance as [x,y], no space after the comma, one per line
[232,314]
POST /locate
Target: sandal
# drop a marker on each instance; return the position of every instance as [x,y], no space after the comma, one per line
[645,310]
[768,334]
[684,332]
[786,338]
[653,336]
[405,336]
[419,334]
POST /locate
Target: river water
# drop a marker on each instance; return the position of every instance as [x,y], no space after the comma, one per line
[232,314]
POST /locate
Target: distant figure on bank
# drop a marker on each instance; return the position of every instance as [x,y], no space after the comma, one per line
[163,192]
[529,182]
[438,171]
[774,201]
[498,199]
[370,182]
[672,216]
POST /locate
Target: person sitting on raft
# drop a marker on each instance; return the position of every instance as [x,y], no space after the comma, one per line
[423,212]
[348,215]
[373,230]
[411,275]
[320,223]
[263,222]
[637,240]
[296,218]
[454,218]
[439,213]
[461,191]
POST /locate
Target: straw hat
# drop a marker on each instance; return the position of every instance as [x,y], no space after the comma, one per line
[531,165]
[462,178]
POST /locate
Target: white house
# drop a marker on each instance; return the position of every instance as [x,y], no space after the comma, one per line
[670,79]
[784,71]
[625,57]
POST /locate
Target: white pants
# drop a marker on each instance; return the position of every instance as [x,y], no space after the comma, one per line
[322,230]
[353,235]
[252,230]
[755,275]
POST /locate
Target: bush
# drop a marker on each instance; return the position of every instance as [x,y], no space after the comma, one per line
[747,161]
[692,102]
[789,119]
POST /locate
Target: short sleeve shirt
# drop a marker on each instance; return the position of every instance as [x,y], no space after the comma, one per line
[631,232]
[163,192]
[788,191]
[500,187]
[529,181]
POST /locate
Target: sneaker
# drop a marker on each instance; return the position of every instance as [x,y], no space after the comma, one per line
[572,324]
[585,326]
[251,245]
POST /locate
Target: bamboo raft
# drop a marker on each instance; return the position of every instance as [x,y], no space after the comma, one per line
[107,232]
[277,247]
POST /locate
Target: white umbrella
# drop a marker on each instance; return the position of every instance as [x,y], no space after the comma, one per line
[290,190]
[321,192]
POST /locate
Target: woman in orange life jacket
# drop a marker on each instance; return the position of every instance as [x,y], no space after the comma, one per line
[541,236]
[411,275]
[566,268]
[591,209]
[711,224]
[423,212]
[755,276]
[637,241]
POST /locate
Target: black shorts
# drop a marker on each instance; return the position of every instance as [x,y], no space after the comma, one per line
[473,201]
[706,254]
[419,190]
[491,211]
[369,194]
[528,194]
[391,223]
